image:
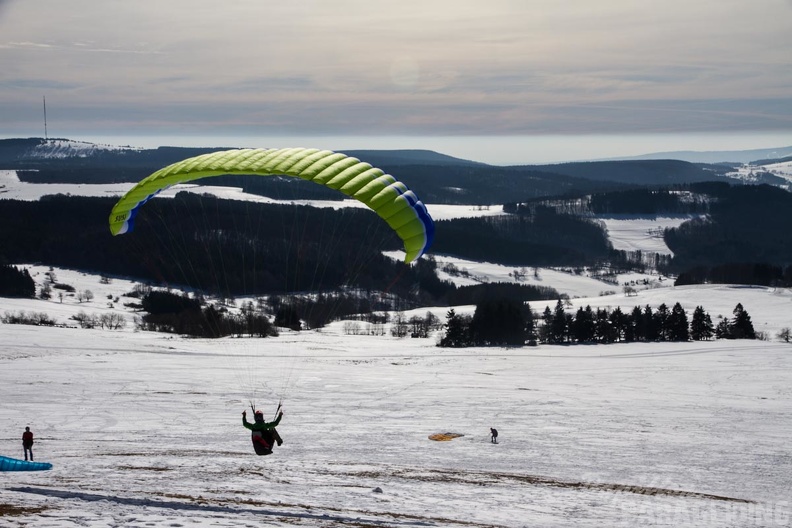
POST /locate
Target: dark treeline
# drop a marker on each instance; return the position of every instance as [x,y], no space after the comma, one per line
[543,238]
[745,224]
[479,293]
[496,322]
[489,185]
[759,274]
[641,201]
[506,322]
[647,202]
[221,247]
[15,282]
[588,325]
[640,172]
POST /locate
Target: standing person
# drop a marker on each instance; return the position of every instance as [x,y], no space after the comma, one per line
[494,433]
[27,443]
[264,434]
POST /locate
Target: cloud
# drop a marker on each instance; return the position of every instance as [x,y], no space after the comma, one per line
[429,66]
[36,84]
[24,45]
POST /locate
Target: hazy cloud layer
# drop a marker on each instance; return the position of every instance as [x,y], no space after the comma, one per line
[407,67]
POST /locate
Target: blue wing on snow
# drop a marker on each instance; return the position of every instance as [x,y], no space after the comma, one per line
[12,464]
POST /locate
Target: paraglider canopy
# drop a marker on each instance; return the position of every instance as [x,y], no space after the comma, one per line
[388,197]
[13,464]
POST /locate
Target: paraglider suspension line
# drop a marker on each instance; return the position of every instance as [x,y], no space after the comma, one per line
[393,282]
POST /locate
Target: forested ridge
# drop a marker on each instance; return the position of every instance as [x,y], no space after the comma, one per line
[545,238]
[736,234]
[748,223]
[228,248]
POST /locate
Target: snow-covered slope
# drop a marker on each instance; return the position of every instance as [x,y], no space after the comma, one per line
[13,189]
[67,148]
[751,173]
[144,429]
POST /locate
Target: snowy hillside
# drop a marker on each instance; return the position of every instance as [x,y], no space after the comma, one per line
[67,148]
[144,429]
[751,173]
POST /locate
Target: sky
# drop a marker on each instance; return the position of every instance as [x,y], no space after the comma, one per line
[404,74]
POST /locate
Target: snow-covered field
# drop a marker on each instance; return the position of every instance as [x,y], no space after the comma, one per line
[144,429]
[631,233]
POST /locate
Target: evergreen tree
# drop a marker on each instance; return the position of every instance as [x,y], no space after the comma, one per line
[701,327]
[723,329]
[288,317]
[582,328]
[661,317]
[678,324]
[456,331]
[603,328]
[618,324]
[558,328]
[650,324]
[590,326]
[741,326]
[634,330]
[530,324]
[545,331]
[498,322]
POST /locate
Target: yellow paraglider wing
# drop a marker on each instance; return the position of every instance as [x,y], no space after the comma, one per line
[389,198]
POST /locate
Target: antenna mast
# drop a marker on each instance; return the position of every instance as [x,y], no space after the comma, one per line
[45,116]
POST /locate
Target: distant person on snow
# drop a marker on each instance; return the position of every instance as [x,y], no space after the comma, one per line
[27,443]
[494,433]
[264,434]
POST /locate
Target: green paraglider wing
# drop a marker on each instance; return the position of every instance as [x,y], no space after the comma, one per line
[388,197]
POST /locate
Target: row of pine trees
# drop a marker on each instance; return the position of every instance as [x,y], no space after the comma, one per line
[511,323]
[640,324]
